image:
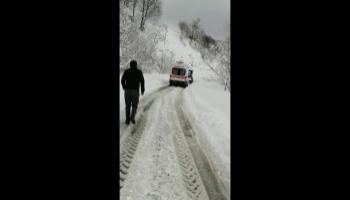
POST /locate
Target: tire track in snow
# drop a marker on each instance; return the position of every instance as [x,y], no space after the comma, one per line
[158,155]
[130,143]
[143,101]
[191,178]
[144,105]
[129,149]
[220,164]
[208,177]
[166,176]
[196,176]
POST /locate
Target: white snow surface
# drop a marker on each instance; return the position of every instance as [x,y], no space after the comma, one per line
[156,175]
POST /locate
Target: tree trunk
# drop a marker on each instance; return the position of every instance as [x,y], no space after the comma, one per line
[126,3]
[147,7]
[142,15]
[133,10]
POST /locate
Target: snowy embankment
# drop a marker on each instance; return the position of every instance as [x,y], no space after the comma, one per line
[207,106]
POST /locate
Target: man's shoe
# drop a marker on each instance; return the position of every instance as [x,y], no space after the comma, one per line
[127,122]
[133,121]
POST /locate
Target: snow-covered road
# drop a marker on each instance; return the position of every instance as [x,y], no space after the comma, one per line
[161,155]
[179,148]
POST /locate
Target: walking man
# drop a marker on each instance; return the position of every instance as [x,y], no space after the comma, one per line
[131,80]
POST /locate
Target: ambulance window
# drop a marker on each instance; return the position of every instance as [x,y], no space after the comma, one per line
[178,71]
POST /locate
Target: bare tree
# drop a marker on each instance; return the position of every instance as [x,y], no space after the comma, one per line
[137,44]
[149,8]
[133,9]
[195,29]
[184,28]
[126,2]
[155,10]
[143,15]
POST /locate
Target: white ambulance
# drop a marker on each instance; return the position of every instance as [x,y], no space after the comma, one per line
[180,75]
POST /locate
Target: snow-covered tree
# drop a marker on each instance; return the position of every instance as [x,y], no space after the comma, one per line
[150,9]
[137,44]
[185,29]
[215,53]
[195,29]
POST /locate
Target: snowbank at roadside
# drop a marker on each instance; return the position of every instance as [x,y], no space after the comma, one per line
[207,106]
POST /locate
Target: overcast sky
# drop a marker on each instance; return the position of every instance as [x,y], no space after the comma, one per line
[213,14]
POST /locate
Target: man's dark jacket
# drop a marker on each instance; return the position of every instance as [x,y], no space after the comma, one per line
[132,78]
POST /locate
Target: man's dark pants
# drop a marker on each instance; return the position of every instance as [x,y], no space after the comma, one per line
[131,99]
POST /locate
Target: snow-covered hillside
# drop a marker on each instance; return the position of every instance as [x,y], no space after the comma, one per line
[183,51]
